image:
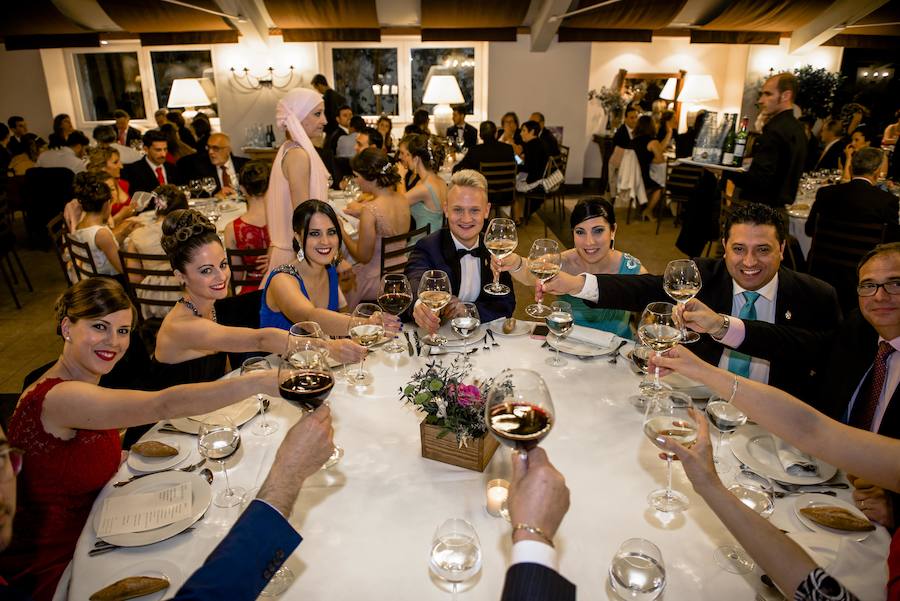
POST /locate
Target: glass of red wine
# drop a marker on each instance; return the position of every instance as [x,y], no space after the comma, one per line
[395,297]
[305,378]
[519,411]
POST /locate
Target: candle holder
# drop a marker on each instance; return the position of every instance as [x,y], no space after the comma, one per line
[497,494]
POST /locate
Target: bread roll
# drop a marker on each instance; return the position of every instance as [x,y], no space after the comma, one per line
[837,518]
[509,324]
[154,448]
[129,588]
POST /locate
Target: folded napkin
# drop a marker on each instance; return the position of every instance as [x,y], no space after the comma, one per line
[860,566]
[592,336]
[233,412]
[794,461]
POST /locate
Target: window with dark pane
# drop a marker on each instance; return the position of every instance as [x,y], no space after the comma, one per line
[461,61]
[169,65]
[108,81]
[357,72]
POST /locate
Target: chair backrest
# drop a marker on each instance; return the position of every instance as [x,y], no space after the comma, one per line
[403,251]
[82,259]
[240,272]
[563,158]
[501,181]
[146,294]
[682,180]
[57,229]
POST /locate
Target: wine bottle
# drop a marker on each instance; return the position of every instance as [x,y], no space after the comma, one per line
[740,143]
[270,137]
[729,145]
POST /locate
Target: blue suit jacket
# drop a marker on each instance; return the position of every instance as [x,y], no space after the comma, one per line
[534,582]
[437,251]
[244,562]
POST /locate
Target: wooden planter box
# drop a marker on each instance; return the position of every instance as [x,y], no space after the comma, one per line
[475,456]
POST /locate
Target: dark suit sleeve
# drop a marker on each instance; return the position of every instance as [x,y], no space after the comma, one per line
[534,582]
[419,262]
[470,136]
[244,562]
[628,292]
[765,162]
[810,226]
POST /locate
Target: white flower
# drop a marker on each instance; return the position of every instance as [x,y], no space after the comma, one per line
[441,405]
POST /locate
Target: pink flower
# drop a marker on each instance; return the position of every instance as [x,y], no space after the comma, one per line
[467,395]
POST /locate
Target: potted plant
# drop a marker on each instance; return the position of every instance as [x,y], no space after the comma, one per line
[816,90]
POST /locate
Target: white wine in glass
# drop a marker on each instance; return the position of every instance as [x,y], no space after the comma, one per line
[366,328]
[682,282]
[435,293]
[671,417]
[658,330]
[501,240]
[544,262]
[560,323]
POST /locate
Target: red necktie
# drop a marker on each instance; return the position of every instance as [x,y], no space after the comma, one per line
[122,137]
[226,179]
[160,177]
[863,412]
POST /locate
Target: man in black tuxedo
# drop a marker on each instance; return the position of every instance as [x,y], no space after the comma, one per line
[216,162]
[329,147]
[469,135]
[125,134]
[551,146]
[779,154]
[763,321]
[491,150]
[18,141]
[460,252]
[153,171]
[859,200]
[832,146]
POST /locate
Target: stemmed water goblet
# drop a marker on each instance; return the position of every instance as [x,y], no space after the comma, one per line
[544,262]
[366,328]
[560,323]
[670,417]
[217,440]
[209,185]
[682,282]
[637,570]
[757,493]
[501,240]
[263,427]
[394,298]
[435,293]
[726,418]
[466,322]
[455,553]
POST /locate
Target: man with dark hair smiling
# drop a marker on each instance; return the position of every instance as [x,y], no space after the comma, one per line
[153,171]
[762,321]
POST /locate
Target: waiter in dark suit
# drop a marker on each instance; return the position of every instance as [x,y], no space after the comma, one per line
[779,154]
[216,162]
[153,171]
[469,135]
[460,252]
[333,101]
[765,322]
[491,150]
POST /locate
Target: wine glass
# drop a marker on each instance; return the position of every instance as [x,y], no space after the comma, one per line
[455,552]
[209,185]
[682,282]
[726,418]
[217,440]
[434,293]
[196,188]
[560,323]
[658,330]
[755,492]
[466,323]
[544,262]
[394,298]
[671,417]
[518,410]
[501,240]
[637,570]
[263,427]
[640,357]
[366,328]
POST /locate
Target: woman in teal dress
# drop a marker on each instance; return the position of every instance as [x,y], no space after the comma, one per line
[421,154]
[594,232]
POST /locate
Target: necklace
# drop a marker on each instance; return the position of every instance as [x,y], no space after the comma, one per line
[194,309]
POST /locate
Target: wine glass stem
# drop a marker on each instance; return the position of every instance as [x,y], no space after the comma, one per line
[362,367]
[716,448]
[262,410]
[656,381]
[453,592]
[228,491]
[683,329]
[668,475]
[558,340]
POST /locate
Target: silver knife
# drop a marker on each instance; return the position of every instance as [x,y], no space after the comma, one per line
[418,344]
[408,343]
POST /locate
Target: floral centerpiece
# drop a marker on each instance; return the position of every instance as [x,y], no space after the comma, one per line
[613,103]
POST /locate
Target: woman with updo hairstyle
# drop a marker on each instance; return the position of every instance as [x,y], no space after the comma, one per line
[68,426]
[386,215]
[593,224]
[423,155]
[249,231]
[93,196]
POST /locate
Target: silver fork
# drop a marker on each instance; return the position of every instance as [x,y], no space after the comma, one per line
[189,468]
[615,357]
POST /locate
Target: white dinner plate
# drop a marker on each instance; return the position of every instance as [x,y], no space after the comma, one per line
[201,494]
[813,500]
[226,206]
[154,568]
[240,413]
[692,388]
[157,464]
[579,348]
[799,213]
[755,448]
[522,327]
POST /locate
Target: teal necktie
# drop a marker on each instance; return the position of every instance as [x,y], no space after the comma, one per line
[739,363]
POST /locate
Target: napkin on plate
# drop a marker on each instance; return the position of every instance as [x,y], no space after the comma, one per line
[233,412]
[860,566]
[794,461]
[592,336]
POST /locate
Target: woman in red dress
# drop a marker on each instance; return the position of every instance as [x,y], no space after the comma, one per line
[249,231]
[68,427]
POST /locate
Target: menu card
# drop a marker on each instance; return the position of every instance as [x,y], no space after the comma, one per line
[125,514]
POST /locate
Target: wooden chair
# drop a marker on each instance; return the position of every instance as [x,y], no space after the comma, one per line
[240,273]
[57,229]
[82,260]
[148,295]
[681,181]
[407,240]
[534,199]
[501,181]
[8,252]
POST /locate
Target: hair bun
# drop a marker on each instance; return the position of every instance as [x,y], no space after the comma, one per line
[182,225]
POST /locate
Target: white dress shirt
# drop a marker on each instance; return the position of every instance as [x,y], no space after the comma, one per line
[62,157]
[890,385]
[469,274]
[532,551]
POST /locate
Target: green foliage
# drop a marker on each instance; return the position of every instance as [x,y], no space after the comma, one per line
[817,88]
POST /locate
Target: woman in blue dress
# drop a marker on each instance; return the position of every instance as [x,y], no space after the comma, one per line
[594,232]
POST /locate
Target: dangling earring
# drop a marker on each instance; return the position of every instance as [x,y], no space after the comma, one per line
[612,243]
[300,255]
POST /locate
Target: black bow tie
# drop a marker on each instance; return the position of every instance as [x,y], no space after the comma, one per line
[462,252]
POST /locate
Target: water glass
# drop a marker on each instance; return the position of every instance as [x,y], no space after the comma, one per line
[455,552]
[637,570]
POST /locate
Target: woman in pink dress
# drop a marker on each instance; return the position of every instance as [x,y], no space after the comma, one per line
[249,231]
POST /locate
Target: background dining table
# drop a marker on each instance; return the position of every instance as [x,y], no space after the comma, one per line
[367,523]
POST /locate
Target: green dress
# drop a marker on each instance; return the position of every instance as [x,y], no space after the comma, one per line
[422,214]
[616,321]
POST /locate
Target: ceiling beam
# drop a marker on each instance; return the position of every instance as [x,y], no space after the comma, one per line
[254,26]
[826,24]
[543,29]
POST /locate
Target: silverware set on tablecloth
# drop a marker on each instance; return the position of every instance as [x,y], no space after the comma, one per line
[414,340]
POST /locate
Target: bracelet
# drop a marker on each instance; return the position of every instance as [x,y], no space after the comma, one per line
[519,268]
[734,387]
[534,530]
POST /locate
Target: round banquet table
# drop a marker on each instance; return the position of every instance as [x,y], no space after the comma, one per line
[367,523]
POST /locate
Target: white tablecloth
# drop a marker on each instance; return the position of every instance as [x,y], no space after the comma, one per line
[368,522]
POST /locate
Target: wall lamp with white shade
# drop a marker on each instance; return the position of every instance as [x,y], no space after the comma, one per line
[698,88]
[442,90]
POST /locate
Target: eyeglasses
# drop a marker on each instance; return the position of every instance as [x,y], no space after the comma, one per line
[871,289]
[13,457]
[217,148]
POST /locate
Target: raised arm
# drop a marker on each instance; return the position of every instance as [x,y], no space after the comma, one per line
[184,339]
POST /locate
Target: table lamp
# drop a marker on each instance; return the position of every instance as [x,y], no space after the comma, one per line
[668,91]
[442,90]
[698,88]
[187,94]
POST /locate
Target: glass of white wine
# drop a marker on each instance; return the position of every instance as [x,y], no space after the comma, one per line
[501,240]
[637,570]
[435,293]
[263,427]
[466,323]
[673,418]
[682,282]
[560,323]
[455,552]
[658,330]
[366,328]
[544,262]
[217,440]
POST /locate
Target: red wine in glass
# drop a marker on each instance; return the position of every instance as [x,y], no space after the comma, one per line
[309,388]
[519,425]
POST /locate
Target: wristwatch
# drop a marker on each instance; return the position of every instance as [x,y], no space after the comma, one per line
[720,333]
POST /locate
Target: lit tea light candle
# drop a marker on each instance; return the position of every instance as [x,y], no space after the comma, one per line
[497,493]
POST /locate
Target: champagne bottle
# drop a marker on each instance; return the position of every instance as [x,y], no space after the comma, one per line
[729,145]
[740,143]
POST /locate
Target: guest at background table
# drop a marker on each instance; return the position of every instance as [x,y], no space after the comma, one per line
[346,148]
[779,154]
[161,116]
[764,321]
[422,155]
[622,138]
[535,153]
[812,142]
[203,130]
[331,99]
[23,161]
[329,146]
[249,231]
[384,127]
[62,127]
[593,224]
[509,132]
[5,157]
[491,150]
[829,156]
[185,135]
[892,131]
[153,171]
[369,137]
[70,155]
[125,134]
[298,172]
[68,427]
[468,133]
[147,240]
[306,289]
[868,455]
[94,197]
[548,140]
[538,501]
[386,215]
[420,122]
[649,151]
[178,149]
[862,137]
[107,161]
[18,127]
[216,162]
[105,137]
[459,251]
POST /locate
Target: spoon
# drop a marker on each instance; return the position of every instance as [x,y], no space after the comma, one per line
[207,473]
[615,353]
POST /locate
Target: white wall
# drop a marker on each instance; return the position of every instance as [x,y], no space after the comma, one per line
[24,90]
[554,82]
